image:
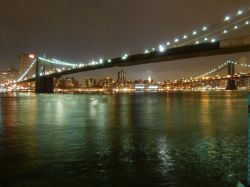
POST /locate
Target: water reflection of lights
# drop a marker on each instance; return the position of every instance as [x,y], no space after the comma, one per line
[93,107]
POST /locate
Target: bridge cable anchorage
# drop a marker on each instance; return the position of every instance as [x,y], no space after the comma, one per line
[214,70]
[206,34]
[27,70]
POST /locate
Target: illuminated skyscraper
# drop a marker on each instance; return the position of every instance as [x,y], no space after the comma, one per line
[149,79]
[122,77]
[25,59]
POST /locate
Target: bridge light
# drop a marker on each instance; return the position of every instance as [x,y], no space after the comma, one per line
[124,57]
[194,32]
[240,12]
[213,40]
[205,39]
[204,28]
[227,18]
[225,31]
[176,40]
[161,48]
[185,37]
[31,56]
[101,61]
[236,27]
[197,42]
[109,60]
[146,51]
[153,49]
[247,22]
[168,43]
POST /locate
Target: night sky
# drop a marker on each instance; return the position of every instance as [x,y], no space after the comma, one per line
[85,30]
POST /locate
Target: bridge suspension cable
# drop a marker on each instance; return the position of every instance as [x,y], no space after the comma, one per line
[58,62]
[214,70]
[208,34]
[245,65]
[26,72]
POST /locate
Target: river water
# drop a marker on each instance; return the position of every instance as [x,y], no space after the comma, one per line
[170,139]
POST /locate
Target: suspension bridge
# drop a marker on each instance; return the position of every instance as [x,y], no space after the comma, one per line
[230,75]
[211,40]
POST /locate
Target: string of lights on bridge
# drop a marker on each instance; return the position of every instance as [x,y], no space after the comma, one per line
[58,62]
[238,20]
[26,72]
[202,35]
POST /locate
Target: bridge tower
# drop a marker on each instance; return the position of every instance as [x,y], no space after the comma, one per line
[231,81]
[44,84]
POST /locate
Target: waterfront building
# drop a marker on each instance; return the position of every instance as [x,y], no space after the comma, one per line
[8,75]
[108,83]
[67,83]
[90,83]
[121,77]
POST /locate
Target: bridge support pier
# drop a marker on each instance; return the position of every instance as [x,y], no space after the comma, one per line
[45,85]
[231,81]
[231,84]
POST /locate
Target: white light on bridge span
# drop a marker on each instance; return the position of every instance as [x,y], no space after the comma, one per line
[236,27]
[194,32]
[205,39]
[101,61]
[146,51]
[213,40]
[197,42]
[125,57]
[168,43]
[240,12]
[176,40]
[227,18]
[161,48]
[247,22]
[109,60]
[185,37]
[204,28]
[225,31]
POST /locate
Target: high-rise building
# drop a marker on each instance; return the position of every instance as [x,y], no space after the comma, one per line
[67,83]
[90,83]
[122,77]
[25,59]
[108,83]
[8,75]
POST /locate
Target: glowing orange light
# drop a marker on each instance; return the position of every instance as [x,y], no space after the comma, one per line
[31,56]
